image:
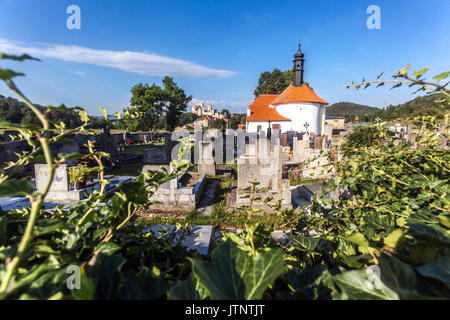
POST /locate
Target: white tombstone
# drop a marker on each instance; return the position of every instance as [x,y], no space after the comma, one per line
[60,180]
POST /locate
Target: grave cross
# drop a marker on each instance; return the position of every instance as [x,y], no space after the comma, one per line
[306,125]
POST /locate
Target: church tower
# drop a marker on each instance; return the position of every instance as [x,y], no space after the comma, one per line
[298,67]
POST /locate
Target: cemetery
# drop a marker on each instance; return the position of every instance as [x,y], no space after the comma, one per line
[283,206]
[266,173]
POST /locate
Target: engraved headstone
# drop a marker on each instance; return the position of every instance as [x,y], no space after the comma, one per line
[60,180]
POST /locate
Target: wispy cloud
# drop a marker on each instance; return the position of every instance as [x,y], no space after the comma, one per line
[131,61]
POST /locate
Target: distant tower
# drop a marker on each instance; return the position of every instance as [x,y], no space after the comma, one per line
[298,67]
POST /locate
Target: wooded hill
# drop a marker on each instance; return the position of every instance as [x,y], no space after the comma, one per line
[419,106]
[342,109]
[15,111]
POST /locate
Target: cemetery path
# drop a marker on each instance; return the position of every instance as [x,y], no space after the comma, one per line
[207,201]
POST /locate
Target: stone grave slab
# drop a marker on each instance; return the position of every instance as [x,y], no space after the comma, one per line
[199,239]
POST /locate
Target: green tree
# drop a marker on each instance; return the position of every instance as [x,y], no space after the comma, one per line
[186,118]
[147,106]
[234,121]
[218,124]
[273,82]
[176,102]
[226,113]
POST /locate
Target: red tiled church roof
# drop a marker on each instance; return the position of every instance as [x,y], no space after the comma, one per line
[298,94]
[260,110]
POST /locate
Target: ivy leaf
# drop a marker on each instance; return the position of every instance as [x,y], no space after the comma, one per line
[47,226]
[233,274]
[144,286]
[103,111]
[393,238]
[83,115]
[108,248]
[438,269]
[189,289]
[102,280]
[442,76]
[358,239]
[399,277]
[445,221]
[419,73]
[308,243]
[13,188]
[404,71]
[17,58]
[396,86]
[355,285]
[379,221]
[432,233]
[310,282]
[7,74]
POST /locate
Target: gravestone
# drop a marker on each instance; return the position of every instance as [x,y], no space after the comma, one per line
[328,131]
[60,180]
[69,148]
[109,144]
[299,147]
[318,142]
[206,163]
[284,139]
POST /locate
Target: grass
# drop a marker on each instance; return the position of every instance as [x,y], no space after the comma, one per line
[135,149]
[132,169]
[294,181]
[222,217]
[232,220]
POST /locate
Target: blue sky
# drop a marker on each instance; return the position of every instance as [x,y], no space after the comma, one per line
[216,49]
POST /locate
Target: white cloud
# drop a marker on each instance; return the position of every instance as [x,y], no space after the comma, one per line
[150,64]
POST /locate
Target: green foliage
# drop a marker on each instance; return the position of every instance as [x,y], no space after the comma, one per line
[364,137]
[233,274]
[273,82]
[392,212]
[176,102]
[186,118]
[79,173]
[437,104]
[342,109]
[147,106]
[235,120]
[420,106]
[219,124]
[427,105]
[16,112]
[155,107]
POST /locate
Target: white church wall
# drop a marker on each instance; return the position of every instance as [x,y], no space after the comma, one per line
[301,113]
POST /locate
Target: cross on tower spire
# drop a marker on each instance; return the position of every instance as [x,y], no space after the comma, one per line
[298,67]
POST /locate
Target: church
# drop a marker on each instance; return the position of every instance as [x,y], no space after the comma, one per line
[298,108]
